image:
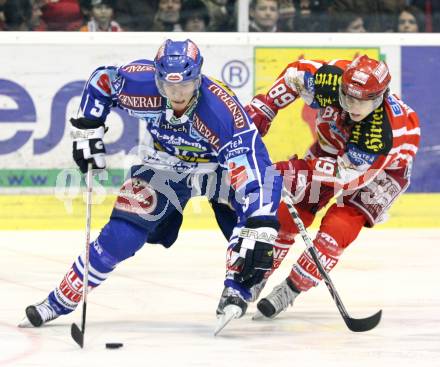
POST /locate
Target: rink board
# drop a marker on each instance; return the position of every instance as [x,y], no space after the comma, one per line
[37,99]
[43,212]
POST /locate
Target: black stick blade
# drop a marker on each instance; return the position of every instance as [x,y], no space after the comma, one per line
[77,335]
[359,325]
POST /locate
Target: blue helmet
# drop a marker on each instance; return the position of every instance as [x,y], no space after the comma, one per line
[178,61]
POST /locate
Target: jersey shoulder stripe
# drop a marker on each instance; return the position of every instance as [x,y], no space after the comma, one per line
[138,70]
[101,80]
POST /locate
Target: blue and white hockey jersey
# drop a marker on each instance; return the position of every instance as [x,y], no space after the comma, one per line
[215,130]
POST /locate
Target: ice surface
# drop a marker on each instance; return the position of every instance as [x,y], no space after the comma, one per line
[161,305]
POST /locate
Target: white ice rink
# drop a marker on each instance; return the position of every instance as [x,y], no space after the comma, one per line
[161,305]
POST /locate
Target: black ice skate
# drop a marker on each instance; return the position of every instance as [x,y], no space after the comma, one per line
[38,314]
[276,301]
[234,307]
[255,293]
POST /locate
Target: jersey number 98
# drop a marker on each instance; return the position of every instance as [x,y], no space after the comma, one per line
[281,97]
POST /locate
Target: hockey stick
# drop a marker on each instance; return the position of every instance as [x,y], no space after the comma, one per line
[356,325]
[75,331]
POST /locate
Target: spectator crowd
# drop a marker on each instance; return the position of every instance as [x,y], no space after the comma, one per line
[220,15]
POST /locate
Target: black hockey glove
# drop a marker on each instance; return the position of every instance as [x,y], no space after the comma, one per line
[252,256]
[88,146]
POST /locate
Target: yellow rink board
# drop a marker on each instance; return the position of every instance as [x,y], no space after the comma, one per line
[43,212]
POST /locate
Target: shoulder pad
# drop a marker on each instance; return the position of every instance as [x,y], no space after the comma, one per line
[326,86]
[224,102]
[102,80]
[221,84]
[139,70]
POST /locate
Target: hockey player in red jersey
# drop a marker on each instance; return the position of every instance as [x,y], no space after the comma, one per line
[366,142]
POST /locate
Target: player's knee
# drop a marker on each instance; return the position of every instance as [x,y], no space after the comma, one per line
[343,224]
[118,240]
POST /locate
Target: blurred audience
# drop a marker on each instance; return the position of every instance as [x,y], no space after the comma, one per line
[222,15]
[410,19]
[311,15]
[167,16]
[17,15]
[22,15]
[101,17]
[377,15]
[62,15]
[347,22]
[431,11]
[136,15]
[2,15]
[194,16]
[286,21]
[264,15]
[36,23]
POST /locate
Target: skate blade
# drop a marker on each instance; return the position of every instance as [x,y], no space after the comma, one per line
[230,312]
[25,323]
[258,316]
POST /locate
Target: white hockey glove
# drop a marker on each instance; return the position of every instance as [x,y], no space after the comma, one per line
[88,146]
[252,256]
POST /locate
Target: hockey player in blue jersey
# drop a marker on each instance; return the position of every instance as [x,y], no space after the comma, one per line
[202,143]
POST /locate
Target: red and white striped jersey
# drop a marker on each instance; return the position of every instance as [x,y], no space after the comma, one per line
[351,154]
[347,154]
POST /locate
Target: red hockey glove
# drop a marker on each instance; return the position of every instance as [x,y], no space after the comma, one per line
[260,113]
[297,173]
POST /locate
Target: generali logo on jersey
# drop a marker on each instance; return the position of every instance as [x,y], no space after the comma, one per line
[207,133]
[140,102]
[137,68]
[239,120]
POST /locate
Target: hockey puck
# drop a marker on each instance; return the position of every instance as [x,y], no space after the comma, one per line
[113,345]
